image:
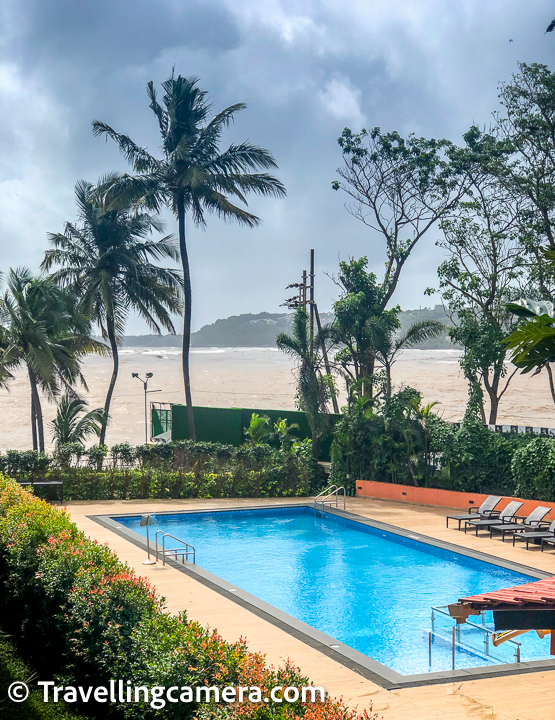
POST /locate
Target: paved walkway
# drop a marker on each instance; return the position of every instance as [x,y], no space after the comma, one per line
[518,697]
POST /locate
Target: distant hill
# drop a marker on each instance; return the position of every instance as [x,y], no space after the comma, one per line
[261,330]
[409,317]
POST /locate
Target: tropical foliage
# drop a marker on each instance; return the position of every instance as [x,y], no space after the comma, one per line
[44,329]
[72,424]
[314,385]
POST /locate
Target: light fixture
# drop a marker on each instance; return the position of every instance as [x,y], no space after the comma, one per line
[145,386]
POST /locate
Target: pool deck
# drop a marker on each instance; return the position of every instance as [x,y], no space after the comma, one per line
[528,696]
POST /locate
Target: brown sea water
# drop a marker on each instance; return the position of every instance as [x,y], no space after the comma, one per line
[257,378]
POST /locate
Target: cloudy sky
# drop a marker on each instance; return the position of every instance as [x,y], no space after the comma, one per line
[305,68]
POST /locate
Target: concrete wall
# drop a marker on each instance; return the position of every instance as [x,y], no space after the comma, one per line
[440,498]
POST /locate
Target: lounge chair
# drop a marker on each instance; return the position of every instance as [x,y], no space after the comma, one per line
[547,534]
[548,541]
[532,521]
[507,515]
[486,510]
[52,483]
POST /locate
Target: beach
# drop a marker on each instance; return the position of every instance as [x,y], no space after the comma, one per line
[261,378]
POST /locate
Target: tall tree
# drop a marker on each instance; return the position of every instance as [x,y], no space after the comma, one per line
[44,330]
[533,341]
[484,270]
[367,333]
[400,188]
[107,259]
[361,324]
[526,128]
[192,177]
[314,386]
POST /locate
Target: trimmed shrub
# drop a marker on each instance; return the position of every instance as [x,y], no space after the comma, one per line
[176,470]
[98,621]
[13,669]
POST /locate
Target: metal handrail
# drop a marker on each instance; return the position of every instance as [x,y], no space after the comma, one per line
[327,495]
[487,633]
[325,492]
[177,552]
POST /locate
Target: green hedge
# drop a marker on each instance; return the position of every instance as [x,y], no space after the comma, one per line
[83,616]
[175,470]
[13,669]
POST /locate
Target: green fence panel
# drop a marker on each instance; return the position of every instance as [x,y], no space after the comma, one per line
[227,425]
[221,425]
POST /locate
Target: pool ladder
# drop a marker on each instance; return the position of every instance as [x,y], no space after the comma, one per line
[181,552]
[330,496]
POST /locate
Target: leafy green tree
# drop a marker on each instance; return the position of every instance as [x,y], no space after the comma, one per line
[400,187]
[483,271]
[526,128]
[361,324]
[72,424]
[367,333]
[385,439]
[314,386]
[192,177]
[106,259]
[44,329]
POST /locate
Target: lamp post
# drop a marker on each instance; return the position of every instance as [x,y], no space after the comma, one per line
[147,391]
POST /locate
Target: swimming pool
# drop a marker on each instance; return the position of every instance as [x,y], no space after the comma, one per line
[371,589]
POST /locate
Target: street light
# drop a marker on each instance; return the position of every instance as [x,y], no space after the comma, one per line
[147,391]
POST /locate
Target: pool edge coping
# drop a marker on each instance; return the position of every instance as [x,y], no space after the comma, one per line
[345,655]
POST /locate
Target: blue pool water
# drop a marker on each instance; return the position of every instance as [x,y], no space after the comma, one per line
[370,589]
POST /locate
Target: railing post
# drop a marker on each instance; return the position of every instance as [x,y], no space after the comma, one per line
[453,658]
[430,648]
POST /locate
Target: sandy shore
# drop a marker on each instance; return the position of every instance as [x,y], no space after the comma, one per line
[257,378]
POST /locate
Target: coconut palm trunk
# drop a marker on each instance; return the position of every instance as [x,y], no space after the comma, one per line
[37,420]
[33,416]
[115,358]
[187,315]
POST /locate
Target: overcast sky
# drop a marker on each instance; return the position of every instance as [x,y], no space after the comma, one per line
[305,68]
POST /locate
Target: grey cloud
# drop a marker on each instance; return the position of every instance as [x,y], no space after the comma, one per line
[305,68]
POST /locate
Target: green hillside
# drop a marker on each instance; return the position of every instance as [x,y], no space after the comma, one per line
[260,330]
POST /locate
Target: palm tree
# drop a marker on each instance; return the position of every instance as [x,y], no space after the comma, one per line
[106,258]
[69,427]
[314,387]
[43,328]
[389,346]
[192,177]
